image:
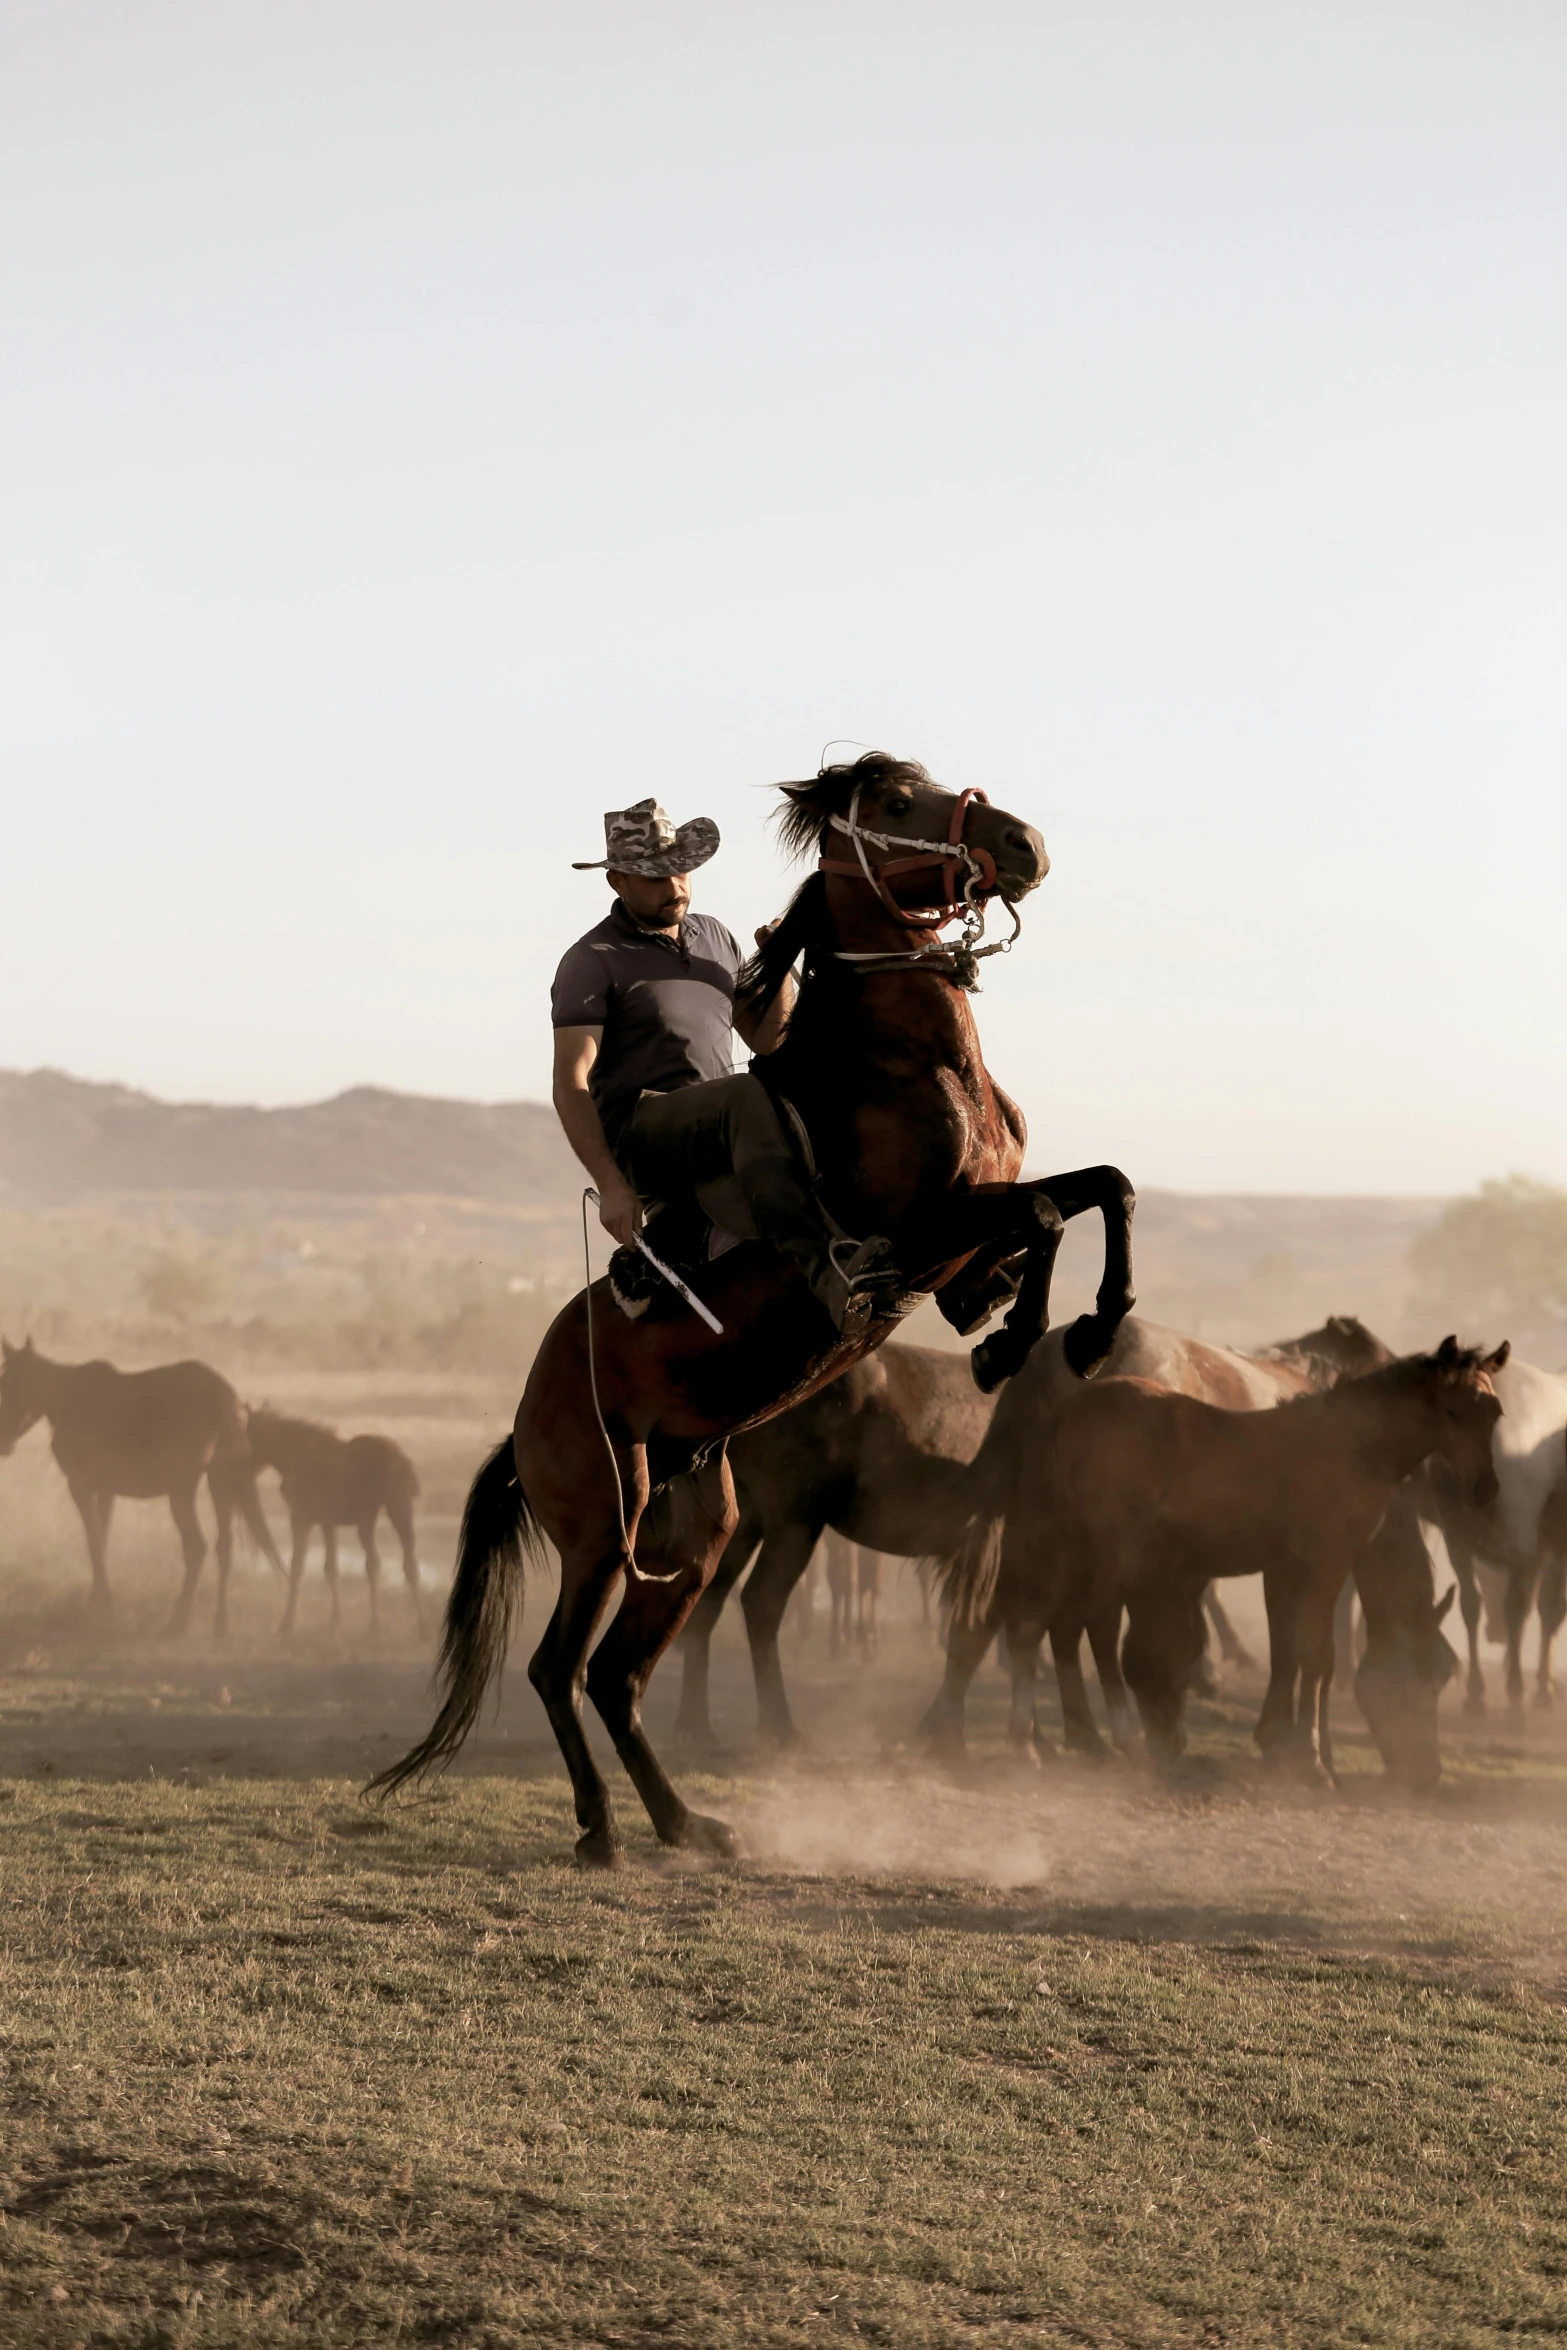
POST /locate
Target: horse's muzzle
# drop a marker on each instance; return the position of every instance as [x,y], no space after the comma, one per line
[1021,861]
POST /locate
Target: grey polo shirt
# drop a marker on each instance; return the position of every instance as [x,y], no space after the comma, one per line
[666,1008]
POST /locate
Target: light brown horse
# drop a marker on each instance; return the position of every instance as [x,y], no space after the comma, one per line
[1147,1494]
[331,1481]
[140,1434]
[618,1454]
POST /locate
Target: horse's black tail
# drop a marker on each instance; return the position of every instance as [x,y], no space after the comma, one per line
[499,1531]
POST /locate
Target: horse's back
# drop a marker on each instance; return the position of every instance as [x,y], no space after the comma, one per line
[138,1433]
[376,1471]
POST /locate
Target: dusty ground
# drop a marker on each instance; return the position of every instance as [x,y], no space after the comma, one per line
[985,2057]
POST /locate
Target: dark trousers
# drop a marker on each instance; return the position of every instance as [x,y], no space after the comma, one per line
[726,1136]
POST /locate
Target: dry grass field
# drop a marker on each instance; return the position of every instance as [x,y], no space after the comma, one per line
[987,2058]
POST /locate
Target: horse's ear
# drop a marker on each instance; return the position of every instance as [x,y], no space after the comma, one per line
[7,1350]
[28,1347]
[1444,1603]
[1498,1361]
[1447,1352]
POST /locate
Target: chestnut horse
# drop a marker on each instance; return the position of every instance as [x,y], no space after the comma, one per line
[618,1452]
[140,1434]
[1148,1494]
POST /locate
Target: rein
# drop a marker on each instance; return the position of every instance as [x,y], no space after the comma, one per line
[956,959]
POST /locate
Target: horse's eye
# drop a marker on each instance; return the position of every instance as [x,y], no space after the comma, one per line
[899,807]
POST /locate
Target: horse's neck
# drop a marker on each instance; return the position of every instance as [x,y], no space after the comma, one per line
[53,1388]
[1389,1426]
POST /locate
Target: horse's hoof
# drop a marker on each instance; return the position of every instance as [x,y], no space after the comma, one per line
[779,1738]
[1087,1345]
[1474,1704]
[994,1361]
[599,1849]
[1546,1697]
[703,1834]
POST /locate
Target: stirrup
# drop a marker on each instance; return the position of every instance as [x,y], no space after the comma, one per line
[859,1283]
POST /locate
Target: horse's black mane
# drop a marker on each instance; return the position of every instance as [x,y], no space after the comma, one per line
[809,807]
[802,824]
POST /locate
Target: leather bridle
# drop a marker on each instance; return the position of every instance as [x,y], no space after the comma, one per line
[979,867]
[955,959]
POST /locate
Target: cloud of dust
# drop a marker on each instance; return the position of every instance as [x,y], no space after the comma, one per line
[1097,1845]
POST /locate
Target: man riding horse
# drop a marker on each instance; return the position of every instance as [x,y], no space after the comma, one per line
[617,1456]
[643,1009]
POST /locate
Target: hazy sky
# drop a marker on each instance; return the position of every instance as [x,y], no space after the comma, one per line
[426,426]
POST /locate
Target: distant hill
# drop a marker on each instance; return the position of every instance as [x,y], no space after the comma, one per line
[62,1140]
[1232,1266]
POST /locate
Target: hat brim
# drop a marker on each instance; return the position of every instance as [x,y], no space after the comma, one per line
[693,844]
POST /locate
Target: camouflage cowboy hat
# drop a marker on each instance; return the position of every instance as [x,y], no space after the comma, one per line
[645,840]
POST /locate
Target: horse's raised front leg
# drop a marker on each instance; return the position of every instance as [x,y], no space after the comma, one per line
[1031,1216]
[1092,1335]
[697,1516]
[694,1721]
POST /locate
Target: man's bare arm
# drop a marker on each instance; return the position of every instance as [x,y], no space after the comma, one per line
[576,1050]
[767,1034]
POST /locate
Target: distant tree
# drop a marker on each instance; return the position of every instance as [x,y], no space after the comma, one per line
[1496,1262]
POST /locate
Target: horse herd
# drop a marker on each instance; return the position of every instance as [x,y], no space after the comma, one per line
[1109,1509]
[142,1434]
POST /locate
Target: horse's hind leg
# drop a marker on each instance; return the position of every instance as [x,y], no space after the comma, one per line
[967,1644]
[401,1513]
[1104,1638]
[1469,1601]
[329,1563]
[1232,1648]
[366,1533]
[1553,1608]
[1520,1599]
[699,1515]
[93,1509]
[784,1558]
[1078,1726]
[299,1530]
[694,1722]
[182,1508]
[224,1506]
[1020,1655]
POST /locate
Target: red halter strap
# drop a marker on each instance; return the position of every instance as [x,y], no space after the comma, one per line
[981,867]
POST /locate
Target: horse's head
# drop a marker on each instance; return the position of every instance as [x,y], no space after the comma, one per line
[23,1391]
[261,1429]
[927,852]
[1465,1408]
[1346,1343]
[1408,1663]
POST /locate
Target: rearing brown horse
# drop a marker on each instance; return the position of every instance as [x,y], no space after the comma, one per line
[912,1139]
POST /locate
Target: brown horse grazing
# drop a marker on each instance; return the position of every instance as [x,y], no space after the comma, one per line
[1148,1494]
[331,1481]
[1215,1375]
[140,1434]
[911,1139]
[1407,1660]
